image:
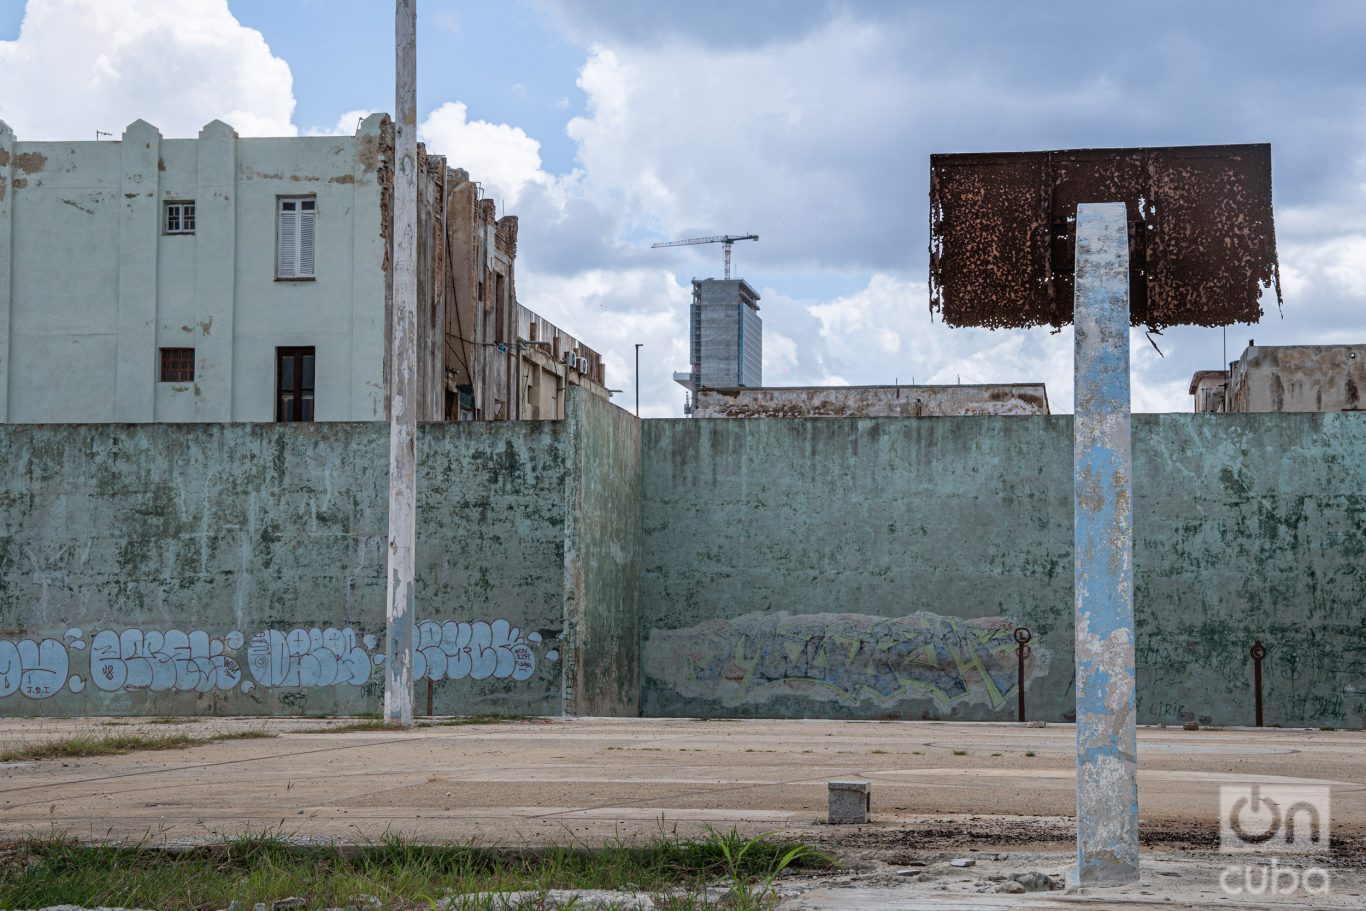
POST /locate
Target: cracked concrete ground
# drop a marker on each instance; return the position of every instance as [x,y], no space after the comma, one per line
[939,791]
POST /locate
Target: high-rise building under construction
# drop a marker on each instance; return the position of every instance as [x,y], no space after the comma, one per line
[726,336]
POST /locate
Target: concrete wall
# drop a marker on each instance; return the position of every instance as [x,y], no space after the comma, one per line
[602,558]
[93,287]
[870,401]
[239,569]
[1298,378]
[877,567]
[797,567]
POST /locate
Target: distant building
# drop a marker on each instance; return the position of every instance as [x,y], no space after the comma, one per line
[871,401]
[1271,378]
[1210,388]
[726,336]
[227,279]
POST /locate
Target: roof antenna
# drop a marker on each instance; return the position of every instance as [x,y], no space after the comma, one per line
[99,133]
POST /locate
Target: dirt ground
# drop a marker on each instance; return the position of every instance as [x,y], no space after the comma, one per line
[1000,794]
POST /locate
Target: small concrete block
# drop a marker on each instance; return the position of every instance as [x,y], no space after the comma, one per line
[962,862]
[850,802]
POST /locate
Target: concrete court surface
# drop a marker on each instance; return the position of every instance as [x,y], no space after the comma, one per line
[939,790]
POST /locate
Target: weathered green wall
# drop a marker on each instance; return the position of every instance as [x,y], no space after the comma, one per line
[876,568]
[767,567]
[602,559]
[239,568]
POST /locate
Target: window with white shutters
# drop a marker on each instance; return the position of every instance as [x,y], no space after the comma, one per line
[294,238]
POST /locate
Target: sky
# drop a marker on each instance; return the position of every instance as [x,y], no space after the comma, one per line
[608,125]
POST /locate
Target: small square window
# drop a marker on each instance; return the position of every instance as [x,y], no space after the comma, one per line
[179,218]
[177,365]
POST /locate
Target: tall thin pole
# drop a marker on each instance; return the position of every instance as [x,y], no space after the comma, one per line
[398,650]
[1107,740]
[638,344]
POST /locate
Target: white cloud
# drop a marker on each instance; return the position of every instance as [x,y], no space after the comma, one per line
[347,124]
[501,157]
[612,310]
[84,65]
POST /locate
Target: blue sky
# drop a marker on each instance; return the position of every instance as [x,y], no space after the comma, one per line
[606,125]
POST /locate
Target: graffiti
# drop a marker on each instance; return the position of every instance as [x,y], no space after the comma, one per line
[846,658]
[163,662]
[308,657]
[194,661]
[454,651]
[38,668]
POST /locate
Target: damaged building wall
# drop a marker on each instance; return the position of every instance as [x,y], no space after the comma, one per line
[97,283]
[239,569]
[1298,378]
[870,401]
[602,559]
[832,567]
[876,568]
[503,361]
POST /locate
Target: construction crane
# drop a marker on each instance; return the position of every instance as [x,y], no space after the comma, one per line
[725,239]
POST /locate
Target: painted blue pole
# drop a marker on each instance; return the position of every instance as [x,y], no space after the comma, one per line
[1107,744]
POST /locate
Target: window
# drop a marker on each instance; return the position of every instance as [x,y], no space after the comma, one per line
[179,218]
[293,384]
[177,365]
[294,238]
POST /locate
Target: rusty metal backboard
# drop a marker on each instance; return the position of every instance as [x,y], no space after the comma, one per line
[1202,240]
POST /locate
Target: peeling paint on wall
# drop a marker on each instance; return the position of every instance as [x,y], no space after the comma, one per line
[844,658]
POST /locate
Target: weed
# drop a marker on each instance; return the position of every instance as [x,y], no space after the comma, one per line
[960,752]
[83,745]
[1029,753]
[876,752]
[1327,727]
[268,866]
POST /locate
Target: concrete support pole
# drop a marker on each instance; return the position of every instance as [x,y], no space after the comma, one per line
[1107,755]
[398,651]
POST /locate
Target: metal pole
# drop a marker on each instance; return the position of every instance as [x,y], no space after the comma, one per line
[1107,742]
[1258,653]
[1022,637]
[398,649]
[638,344]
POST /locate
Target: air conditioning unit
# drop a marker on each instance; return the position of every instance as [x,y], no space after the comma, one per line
[569,357]
[583,365]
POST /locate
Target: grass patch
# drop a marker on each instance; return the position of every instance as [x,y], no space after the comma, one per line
[1029,753]
[960,752]
[379,724]
[404,875]
[83,745]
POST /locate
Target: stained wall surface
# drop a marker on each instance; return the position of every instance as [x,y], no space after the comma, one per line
[825,567]
[875,568]
[239,569]
[602,558]
[92,285]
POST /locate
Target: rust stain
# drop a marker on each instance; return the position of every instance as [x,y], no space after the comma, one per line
[298,177]
[161,164]
[1201,233]
[20,183]
[4,157]
[75,205]
[30,162]
[344,178]
[207,326]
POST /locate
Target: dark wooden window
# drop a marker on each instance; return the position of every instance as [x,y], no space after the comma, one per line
[294,384]
[177,365]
